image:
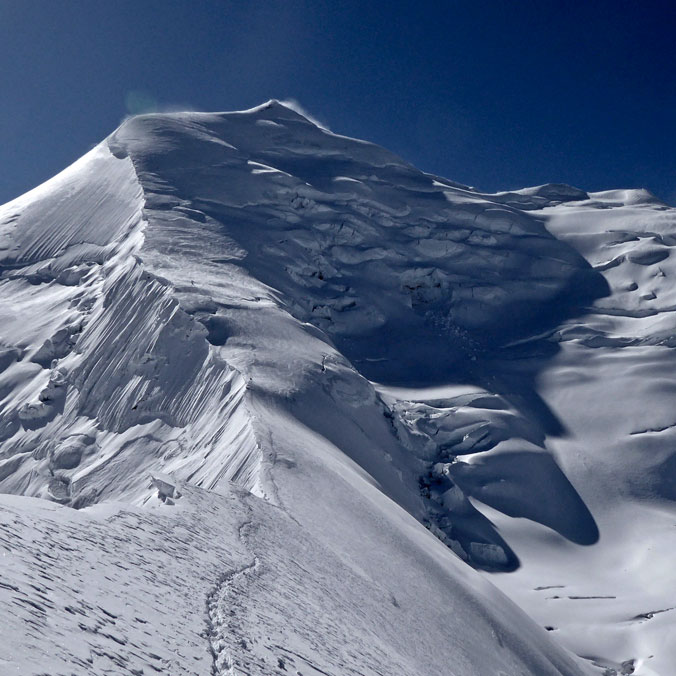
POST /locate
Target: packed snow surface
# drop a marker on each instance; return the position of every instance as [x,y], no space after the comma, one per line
[273,401]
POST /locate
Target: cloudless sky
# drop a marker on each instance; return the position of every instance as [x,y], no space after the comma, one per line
[495,94]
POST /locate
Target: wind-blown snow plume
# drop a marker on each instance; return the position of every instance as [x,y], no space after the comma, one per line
[293,359]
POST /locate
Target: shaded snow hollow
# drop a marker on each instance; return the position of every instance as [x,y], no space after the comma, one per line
[268,364]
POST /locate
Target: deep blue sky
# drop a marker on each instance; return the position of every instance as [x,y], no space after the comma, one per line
[494,94]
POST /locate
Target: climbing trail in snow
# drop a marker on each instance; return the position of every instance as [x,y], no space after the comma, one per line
[253,366]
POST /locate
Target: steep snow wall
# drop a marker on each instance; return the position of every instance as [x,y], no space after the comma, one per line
[315,261]
[245,298]
[104,376]
[390,262]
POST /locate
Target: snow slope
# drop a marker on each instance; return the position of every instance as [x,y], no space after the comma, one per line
[267,365]
[605,387]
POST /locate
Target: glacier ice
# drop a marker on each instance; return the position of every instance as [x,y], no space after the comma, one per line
[274,401]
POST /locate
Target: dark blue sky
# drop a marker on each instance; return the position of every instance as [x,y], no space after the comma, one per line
[494,94]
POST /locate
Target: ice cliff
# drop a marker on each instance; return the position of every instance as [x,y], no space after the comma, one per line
[270,396]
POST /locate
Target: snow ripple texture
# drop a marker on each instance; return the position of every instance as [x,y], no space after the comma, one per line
[313,407]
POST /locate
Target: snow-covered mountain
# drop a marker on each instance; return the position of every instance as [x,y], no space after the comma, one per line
[273,401]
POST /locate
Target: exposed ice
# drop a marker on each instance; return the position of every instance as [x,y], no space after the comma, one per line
[296,390]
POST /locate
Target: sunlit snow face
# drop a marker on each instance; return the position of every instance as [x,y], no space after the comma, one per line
[213,296]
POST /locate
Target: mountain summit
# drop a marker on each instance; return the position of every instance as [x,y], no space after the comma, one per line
[273,401]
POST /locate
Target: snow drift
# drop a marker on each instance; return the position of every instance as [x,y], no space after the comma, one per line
[296,390]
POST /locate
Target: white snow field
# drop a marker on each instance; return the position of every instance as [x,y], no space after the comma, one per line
[275,402]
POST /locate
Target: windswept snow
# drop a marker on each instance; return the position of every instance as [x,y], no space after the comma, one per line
[268,364]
